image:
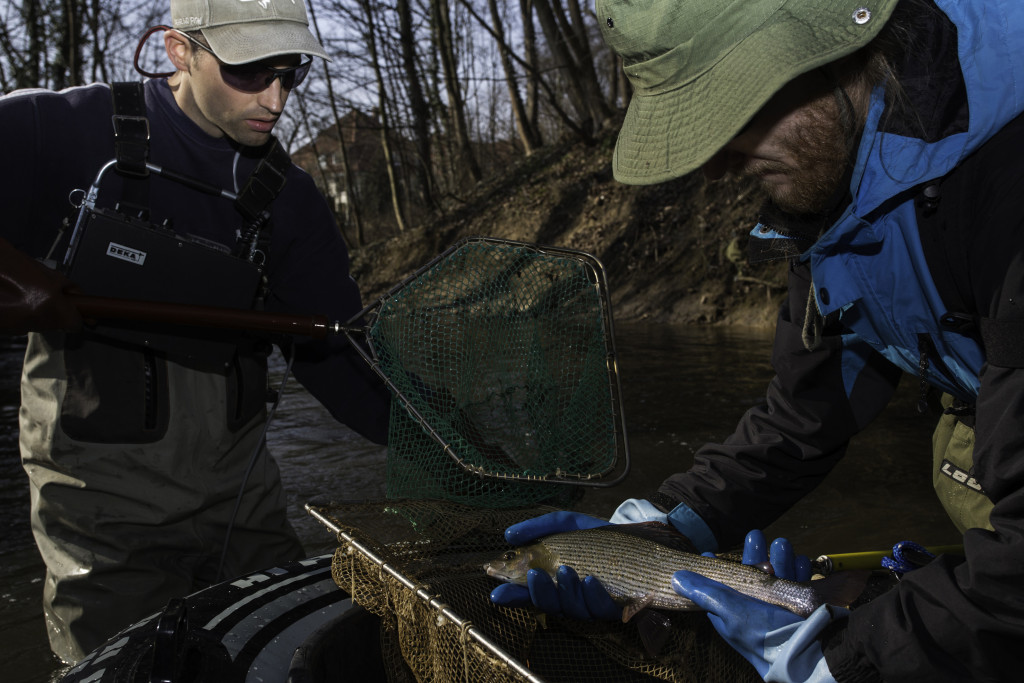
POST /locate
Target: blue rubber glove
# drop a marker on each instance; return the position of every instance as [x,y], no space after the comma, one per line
[551,523]
[785,563]
[782,646]
[586,599]
[686,521]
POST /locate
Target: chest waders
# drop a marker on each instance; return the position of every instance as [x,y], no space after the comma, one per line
[135,455]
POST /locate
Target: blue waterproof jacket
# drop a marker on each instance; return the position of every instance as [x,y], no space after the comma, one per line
[903,283]
[870,265]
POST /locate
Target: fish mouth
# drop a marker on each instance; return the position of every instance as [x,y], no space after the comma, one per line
[499,573]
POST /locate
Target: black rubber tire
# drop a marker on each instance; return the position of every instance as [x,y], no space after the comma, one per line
[288,623]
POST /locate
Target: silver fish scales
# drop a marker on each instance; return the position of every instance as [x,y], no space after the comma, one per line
[637,571]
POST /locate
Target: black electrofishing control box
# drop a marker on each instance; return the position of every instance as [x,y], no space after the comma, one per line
[122,257]
[118,256]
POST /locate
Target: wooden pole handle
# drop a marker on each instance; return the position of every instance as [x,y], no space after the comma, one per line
[104,308]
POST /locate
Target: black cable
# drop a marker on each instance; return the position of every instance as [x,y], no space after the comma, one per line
[248,471]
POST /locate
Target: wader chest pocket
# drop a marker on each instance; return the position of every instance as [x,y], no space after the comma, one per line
[117,256]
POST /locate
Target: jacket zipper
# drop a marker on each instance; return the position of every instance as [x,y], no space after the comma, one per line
[929,357]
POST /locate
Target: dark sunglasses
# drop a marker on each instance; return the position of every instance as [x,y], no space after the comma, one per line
[255,77]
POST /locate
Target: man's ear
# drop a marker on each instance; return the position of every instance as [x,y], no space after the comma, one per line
[179,50]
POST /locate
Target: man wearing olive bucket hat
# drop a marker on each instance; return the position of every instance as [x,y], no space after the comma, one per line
[887,136]
[145,446]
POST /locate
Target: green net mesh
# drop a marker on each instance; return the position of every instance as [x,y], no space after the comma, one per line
[501,354]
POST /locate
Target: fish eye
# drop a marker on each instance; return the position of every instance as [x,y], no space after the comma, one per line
[509,556]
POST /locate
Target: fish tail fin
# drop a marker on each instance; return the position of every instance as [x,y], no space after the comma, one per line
[841,588]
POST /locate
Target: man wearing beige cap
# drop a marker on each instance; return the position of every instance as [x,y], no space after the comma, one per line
[144,445]
[887,137]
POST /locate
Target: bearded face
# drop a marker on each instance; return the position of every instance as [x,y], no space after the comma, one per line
[797,146]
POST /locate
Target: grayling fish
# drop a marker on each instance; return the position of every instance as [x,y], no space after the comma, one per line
[635,563]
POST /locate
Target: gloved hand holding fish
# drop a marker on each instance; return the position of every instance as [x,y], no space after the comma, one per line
[781,645]
[779,559]
[587,599]
[635,563]
[646,567]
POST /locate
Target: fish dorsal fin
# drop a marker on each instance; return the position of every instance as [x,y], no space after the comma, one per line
[657,532]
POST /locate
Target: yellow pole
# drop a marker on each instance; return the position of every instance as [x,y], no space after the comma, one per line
[827,564]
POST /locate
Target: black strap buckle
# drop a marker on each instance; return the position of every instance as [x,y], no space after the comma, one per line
[265,182]
[131,128]
[131,144]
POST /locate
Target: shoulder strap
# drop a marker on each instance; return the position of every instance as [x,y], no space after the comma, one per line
[265,182]
[263,185]
[131,128]
[131,144]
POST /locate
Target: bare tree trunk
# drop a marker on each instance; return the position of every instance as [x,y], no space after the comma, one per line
[553,99]
[382,99]
[572,54]
[442,146]
[465,159]
[99,43]
[30,73]
[417,105]
[580,41]
[67,69]
[352,202]
[524,125]
[530,58]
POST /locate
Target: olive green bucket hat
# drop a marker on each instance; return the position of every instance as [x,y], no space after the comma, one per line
[701,69]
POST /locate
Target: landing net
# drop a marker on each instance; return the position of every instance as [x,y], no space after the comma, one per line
[501,356]
[418,566]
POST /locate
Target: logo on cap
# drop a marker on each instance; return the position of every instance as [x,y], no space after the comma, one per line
[262,3]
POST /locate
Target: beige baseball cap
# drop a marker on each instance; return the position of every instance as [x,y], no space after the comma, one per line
[241,31]
[701,69]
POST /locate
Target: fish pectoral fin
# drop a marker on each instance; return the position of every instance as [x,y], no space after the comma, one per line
[635,606]
[841,588]
[654,628]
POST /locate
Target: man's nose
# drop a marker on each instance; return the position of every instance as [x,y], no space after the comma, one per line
[273,97]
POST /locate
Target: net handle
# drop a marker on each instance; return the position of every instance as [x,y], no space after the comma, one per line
[110,308]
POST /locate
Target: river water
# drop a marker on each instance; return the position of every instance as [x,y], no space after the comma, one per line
[682,386]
